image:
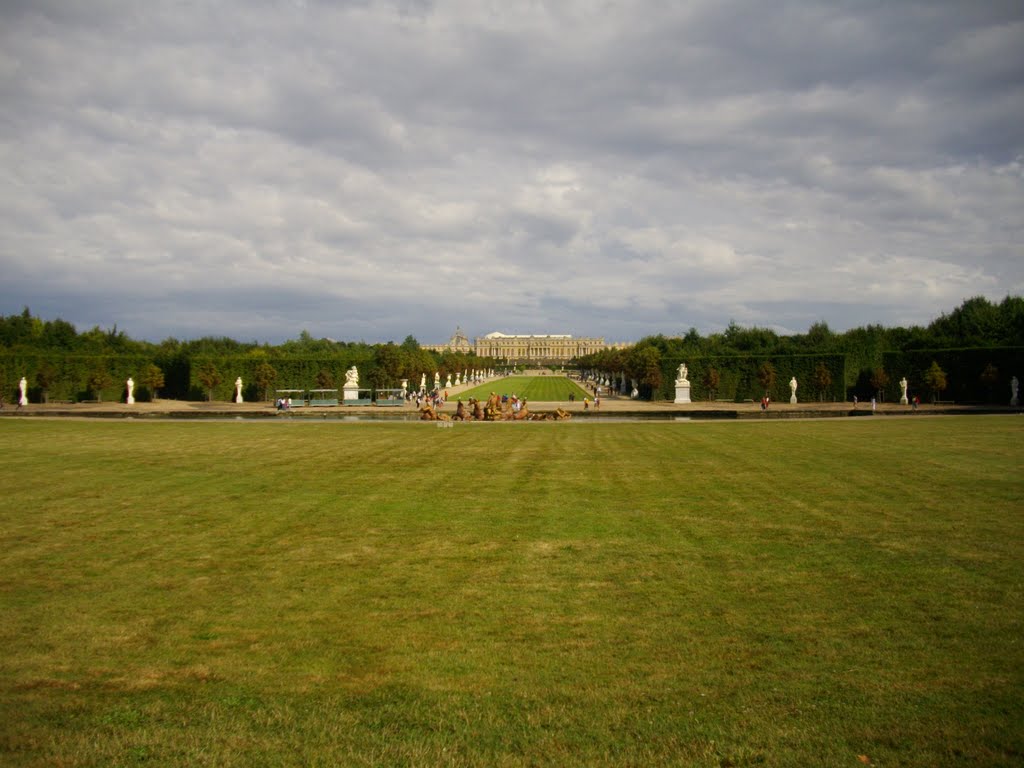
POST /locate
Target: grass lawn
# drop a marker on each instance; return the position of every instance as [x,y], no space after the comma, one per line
[812,593]
[543,389]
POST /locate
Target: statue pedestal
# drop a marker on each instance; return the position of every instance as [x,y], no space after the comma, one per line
[238,398]
[682,392]
[130,400]
[792,399]
[904,401]
[350,392]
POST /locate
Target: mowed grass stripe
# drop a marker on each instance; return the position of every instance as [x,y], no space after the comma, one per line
[786,593]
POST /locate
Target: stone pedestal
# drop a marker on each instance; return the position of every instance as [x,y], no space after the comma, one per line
[682,392]
[904,400]
[792,399]
[350,392]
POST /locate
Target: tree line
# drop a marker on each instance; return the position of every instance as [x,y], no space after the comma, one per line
[976,348]
[867,361]
[62,363]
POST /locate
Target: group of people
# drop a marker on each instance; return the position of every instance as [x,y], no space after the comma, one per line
[496,408]
[435,398]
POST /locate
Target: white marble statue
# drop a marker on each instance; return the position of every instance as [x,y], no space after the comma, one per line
[423,382]
[1014,384]
[131,391]
[457,379]
[792,391]
[238,389]
[23,391]
[437,380]
[903,391]
[352,377]
[683,373]
[448,382]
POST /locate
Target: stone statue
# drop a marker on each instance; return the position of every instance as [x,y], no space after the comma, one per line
[352,377]
[792,391]
[1013,391]
[903,391]
[437,380]
[682,385]
[238,389]
[448,383]
[423,382]
[23,392]
[131,391]
[458,379]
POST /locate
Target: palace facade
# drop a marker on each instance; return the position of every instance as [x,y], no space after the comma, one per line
[525,347]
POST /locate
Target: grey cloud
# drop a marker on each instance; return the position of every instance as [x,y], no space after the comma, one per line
[618,169]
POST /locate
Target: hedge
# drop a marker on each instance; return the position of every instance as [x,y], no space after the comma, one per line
[71,375]
[738,376]
[963,369]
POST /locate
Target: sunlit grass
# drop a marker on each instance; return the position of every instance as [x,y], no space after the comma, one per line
[773,594]
[553,388]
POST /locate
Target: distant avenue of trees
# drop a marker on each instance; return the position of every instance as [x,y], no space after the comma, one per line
[63,363]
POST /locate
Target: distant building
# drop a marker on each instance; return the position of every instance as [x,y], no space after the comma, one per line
[515,348]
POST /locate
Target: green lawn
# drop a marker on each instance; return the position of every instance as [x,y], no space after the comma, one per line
[543,389]
[323,594]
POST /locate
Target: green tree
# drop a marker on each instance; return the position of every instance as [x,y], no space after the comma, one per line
[389,362]
[935,380]
[989,377]
[264,375]
[45,378]
[821,380]
[153,379]
[879,381]
[98,380]
[643,363]
[711,381]
[325,379]
[766,376]
[209,377]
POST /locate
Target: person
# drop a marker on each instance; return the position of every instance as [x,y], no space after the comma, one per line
[597,402]
[917,401]
[586,403]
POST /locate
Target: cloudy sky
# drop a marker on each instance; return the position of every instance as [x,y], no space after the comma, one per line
[370,169]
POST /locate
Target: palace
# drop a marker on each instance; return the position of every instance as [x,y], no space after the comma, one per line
[524,347]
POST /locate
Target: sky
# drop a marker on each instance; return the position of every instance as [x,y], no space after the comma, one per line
[368,170]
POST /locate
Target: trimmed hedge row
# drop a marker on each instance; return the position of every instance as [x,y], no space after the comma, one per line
[738,380]
[290,373]
[964,369]
[71,375]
